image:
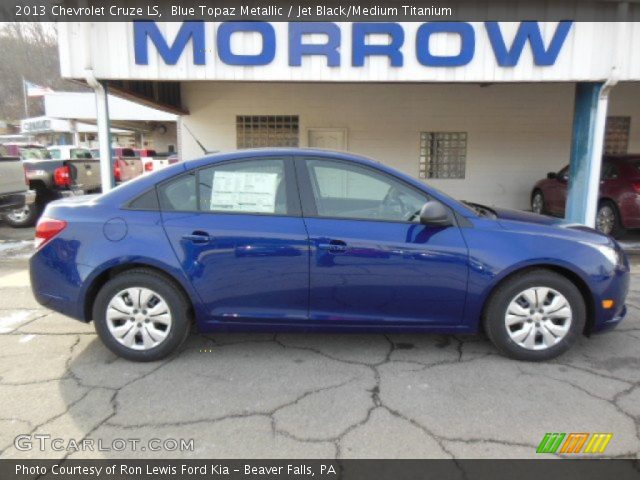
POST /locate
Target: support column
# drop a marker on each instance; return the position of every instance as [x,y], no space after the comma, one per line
[589,118]
[104,137]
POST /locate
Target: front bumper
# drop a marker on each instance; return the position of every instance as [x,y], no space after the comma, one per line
[614,321]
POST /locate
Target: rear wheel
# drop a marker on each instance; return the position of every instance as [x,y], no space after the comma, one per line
[608,219]
[140,315]
[534,316]
[537,203]
[25,216]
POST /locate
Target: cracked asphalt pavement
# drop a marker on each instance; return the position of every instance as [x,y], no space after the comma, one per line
[304,396]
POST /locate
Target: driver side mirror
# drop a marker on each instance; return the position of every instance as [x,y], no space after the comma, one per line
[435,214]
[551,175]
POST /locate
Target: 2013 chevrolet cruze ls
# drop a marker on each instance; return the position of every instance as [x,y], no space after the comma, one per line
[295,239]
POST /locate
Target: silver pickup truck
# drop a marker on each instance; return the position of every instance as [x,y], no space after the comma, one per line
[14,188]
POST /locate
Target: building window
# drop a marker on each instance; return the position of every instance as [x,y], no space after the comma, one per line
[616,138]
[443,154]
[267,131]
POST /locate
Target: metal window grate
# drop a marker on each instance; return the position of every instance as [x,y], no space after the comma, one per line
[267,131]
[616,138]
[443,154]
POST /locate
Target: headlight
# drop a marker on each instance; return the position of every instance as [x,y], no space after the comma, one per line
[611,254]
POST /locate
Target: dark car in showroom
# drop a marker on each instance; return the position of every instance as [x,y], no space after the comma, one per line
[619,200]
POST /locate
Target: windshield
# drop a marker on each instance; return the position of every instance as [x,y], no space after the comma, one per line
[80,153]
[34,153]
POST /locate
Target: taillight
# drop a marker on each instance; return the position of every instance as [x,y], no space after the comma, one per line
[148,167]
[62,176]
[117,174]
[46,229]
[636,186]
[26,177]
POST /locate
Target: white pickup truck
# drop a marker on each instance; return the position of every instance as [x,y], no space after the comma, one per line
[14,188]
[152,161]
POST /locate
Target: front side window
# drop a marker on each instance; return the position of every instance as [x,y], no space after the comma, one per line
[251,186]
[55,153]
[351,191]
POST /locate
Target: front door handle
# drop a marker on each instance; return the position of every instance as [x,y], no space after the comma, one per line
[197,237]
[333,246]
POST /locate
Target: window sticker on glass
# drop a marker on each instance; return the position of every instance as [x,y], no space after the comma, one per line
[244,192]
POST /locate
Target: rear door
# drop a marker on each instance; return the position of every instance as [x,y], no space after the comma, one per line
[237,230]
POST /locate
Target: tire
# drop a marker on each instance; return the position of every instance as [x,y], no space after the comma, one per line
[537,203]
[608,219]
[24,217]
[505,325]
[141,336]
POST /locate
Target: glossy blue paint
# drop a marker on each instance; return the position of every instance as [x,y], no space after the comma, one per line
[276,272]
[582,145]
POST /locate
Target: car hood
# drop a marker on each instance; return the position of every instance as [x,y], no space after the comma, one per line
[545,225]
[529,217]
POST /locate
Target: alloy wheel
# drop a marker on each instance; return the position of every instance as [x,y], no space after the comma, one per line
[537,203]
[19,215]
[605,220]
[538,318]
[138,318]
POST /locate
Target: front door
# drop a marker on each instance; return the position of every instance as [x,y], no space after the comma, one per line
[371,260]
[238,234]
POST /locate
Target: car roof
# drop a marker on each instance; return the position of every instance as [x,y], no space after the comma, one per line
[275,152]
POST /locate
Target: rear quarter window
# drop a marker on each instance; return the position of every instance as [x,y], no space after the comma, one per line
[146,201]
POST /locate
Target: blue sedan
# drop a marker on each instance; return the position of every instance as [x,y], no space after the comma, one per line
[311,240]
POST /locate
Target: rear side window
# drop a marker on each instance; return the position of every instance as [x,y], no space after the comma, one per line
[256,186]
[252,186]
[179,194]
[146,201]
[55,153]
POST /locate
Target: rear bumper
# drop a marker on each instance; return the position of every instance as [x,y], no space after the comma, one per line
[12,201]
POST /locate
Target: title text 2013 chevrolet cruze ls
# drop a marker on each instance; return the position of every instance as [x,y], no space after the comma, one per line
[295,239]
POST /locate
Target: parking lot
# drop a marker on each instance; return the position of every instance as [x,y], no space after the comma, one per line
[303,396]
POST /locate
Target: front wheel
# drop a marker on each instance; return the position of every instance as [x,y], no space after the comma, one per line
[535,316]
[140,315]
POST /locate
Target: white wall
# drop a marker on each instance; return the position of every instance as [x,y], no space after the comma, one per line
[516,132]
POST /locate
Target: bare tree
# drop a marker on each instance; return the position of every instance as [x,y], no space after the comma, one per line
[29,51]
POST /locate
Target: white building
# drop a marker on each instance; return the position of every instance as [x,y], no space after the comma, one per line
[479,110]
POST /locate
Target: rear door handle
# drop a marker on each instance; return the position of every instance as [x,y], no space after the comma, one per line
[197,237]
[333,246]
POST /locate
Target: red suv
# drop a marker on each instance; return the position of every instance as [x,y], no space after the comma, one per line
[619,201]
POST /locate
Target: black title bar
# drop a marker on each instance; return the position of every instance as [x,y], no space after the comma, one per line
[330,10]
